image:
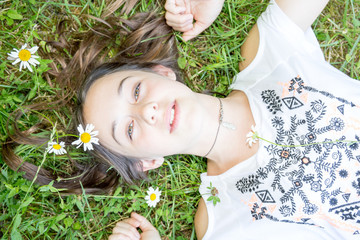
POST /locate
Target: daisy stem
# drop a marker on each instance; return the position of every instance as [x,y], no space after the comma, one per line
[147,215]
[69,135]
[304,145]
[44,117]
[71,178]
[52,124]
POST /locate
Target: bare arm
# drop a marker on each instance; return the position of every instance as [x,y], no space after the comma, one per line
[201,220]
[302,12]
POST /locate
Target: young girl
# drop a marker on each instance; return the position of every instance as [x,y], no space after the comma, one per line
[301,180]
[303,183]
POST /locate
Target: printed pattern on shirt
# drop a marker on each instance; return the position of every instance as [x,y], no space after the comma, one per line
[311,181]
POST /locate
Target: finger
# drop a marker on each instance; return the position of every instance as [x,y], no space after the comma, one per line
[171,6]
[178,18]
[184,29]
[120,236]
[196,30]
[177,26]
[181,27]
[126,229]
[180,23]
[125,232]
[145,225]
[187,6]
[132,221]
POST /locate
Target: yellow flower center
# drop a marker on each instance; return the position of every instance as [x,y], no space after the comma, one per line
[85,137]
[24,55]
[152,196]
[57,146]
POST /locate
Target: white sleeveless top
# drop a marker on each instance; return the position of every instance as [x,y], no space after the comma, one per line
[296,98]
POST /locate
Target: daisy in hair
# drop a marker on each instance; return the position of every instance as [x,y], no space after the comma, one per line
[87,137]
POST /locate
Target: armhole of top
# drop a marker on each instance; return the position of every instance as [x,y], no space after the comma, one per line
[250,48]
[201,220]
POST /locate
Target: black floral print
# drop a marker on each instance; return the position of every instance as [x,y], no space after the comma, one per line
[272,100]
[304,179]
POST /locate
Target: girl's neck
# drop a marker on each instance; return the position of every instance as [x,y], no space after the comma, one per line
[230,147]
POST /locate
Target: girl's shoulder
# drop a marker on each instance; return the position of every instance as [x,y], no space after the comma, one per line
[201,219]
[250,47]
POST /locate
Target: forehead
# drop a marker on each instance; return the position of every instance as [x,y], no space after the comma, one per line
[101,91]
[108,81]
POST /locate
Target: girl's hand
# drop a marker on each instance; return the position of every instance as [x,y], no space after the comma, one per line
[180,15]
[127,229]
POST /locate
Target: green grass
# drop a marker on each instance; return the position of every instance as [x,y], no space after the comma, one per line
[28,211]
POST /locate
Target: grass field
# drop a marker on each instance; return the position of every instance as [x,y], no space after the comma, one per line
[28,211]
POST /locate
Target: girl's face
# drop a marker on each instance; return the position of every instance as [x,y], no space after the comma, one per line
[143,114]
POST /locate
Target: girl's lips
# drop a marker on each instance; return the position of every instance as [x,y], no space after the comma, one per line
[172,116]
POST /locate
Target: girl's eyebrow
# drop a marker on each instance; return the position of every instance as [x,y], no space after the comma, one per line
[113,129]
[121,84]
[115,122]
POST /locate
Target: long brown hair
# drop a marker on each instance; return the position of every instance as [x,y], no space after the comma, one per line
[80,58]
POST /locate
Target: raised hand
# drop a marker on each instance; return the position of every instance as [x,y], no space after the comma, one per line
[180,15]
[127,229]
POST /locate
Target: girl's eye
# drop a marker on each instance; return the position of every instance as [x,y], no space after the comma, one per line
[130,129]
[137,92]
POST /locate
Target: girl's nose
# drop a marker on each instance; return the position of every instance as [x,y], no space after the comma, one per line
[150,111]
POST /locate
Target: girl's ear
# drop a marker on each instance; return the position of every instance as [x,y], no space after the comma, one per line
[152,163]
[165,71]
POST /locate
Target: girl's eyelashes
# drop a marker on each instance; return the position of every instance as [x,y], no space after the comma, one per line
[137,92]
[130,129]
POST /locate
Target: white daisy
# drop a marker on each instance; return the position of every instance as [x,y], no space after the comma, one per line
[252,136]
[87,137]
[24,56]
[153,197]
[57,148]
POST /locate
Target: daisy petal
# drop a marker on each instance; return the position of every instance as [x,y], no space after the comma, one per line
[33,49]
[13,55]
[77,142]
[94,133]
[89,128]
[16,61]
[26,64]
[21,65]
[34,62]
[80,129]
